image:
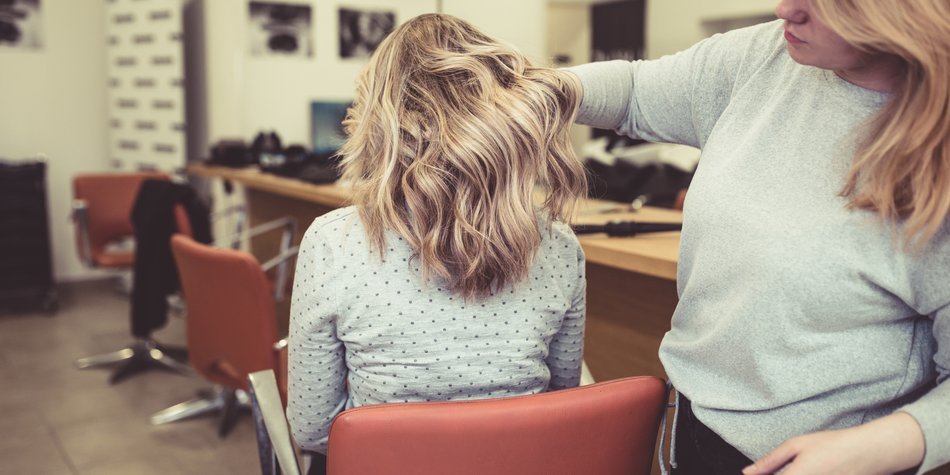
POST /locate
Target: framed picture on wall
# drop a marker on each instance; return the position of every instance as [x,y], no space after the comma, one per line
[361,31]
[279,29]
[20,24]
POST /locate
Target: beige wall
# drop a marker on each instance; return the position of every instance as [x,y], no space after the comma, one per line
[671,25]
[568,34]
[674,25]
[53,101]
[519,22]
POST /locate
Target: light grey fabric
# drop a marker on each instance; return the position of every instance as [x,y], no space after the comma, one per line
[376,326]
[796,314]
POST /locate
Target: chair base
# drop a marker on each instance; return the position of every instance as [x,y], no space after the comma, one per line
[143,355]
[226,402]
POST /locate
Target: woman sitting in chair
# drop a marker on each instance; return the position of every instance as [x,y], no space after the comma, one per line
[446,280]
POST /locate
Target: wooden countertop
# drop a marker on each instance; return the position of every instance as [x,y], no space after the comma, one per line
[328,195]
[652,254]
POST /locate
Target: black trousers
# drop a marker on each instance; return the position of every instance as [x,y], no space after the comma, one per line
[700,451]
[318,464]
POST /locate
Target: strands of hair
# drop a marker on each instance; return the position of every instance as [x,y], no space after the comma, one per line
[902,170]
[450,134]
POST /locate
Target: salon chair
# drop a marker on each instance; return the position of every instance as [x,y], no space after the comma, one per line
[231,322]
[102,205]
[102,209]
[607,428]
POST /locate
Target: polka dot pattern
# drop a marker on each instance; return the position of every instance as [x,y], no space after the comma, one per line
[369,331]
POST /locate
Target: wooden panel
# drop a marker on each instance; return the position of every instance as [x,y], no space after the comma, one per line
[627,316]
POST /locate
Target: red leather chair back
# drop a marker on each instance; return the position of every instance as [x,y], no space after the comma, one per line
[606,428]
[109,198]
[232,324]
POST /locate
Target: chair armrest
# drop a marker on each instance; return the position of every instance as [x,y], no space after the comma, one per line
[288,223]
[280,262]
[282,367]
[273,433]
[80,217]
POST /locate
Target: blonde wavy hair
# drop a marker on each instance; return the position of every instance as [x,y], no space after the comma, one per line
[449,135]
[902,169]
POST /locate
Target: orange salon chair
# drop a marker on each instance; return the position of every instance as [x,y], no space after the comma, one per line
[102,204]
[607,428]
[231,324]
[102,207]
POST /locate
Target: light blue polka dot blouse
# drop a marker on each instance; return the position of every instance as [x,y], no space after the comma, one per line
[364,331]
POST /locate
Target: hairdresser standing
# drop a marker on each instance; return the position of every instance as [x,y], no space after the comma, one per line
[813,327]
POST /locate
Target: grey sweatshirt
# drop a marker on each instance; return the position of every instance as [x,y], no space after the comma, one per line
[796,314]
[369,332]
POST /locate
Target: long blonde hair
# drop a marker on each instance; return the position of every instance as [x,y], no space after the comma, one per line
[902,169]
[449,135]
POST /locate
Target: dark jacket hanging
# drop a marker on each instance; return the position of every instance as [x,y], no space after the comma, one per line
[155,274]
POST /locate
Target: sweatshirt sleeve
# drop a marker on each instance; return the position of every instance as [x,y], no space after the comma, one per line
[316,386]
[677,98]
[932,411]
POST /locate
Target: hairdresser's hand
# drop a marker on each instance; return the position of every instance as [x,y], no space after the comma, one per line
[884,446]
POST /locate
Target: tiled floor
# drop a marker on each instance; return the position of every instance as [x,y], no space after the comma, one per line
[55,419]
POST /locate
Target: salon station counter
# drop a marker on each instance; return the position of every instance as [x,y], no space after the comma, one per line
[631,282]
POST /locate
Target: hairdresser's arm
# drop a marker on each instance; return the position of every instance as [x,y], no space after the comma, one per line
[316,387]
[932,411]
[566,351]
[677,98]
[884,446]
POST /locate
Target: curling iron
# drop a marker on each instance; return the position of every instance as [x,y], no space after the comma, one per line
[625,228]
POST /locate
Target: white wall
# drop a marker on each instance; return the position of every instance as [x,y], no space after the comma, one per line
[671,25]
[568,34]
[519,22]
[278,91]
[674,25]
[53,101]
[246,94]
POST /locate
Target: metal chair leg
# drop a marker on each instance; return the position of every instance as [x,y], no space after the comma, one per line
[143,355]
[186,410]
[228,403]
[105,359]
[163,358]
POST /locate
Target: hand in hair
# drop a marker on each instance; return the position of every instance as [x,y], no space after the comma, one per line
[883,446]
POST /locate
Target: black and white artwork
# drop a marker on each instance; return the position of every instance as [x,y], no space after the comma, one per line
[280,29]
[20,24]
[362,31]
